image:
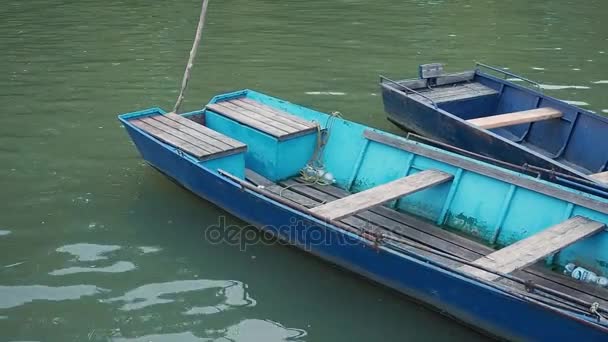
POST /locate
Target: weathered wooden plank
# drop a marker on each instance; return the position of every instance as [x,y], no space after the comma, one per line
[516,118]
[284,118]
[259,117]
[533,248]
[170,139]
[205,130]
[601,177]
[205,139]
[457,91]
[246,120]
[151,120]
[257,179]
[487,170]
[279,112]
[383,193]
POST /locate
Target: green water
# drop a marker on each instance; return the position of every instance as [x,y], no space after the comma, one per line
[96,246]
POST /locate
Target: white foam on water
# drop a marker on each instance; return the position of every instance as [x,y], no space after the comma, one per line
[537,68]
[605,111]
[576,103]
[4,232]
[149,249]
[600,82]
[560,87]
[332,93]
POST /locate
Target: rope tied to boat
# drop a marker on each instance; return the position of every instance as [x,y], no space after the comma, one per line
[314,171]
[594,309]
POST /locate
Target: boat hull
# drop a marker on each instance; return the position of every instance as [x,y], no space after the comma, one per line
[487,308]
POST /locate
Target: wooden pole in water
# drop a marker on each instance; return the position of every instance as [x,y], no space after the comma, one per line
[195,44]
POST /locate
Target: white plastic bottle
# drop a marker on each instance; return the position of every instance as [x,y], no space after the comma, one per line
[584,275]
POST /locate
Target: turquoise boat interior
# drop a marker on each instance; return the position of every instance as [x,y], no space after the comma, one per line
[457,205]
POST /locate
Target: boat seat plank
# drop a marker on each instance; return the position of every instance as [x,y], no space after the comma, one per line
[533,248]
[200,142]
[273,122]
[601,177]
[363,200]
[516,118]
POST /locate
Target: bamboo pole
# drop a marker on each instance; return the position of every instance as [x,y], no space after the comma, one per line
[193,51]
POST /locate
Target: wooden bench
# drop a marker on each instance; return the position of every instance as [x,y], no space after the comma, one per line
[601,177]
[269,120]
[364,200]
[189,136]
[533,248]
[516,118]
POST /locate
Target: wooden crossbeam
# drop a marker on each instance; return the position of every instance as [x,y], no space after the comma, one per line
[516,118]
[364,200]
[533,248]
[601,177]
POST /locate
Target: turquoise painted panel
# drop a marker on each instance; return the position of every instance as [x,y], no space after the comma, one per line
[381,164]
[294,154]
[530,213]
[261,147]
[476,207]
[266,155]
[427,203]
[591,252]
[234,164]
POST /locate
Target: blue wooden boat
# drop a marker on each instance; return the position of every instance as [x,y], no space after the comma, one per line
[479,112]
[450,231]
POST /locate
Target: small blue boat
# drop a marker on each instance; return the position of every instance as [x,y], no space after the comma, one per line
[494,117]
[485,245]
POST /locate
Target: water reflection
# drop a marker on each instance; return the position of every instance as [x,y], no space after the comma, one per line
[234,294]
[4,232]
[12,296]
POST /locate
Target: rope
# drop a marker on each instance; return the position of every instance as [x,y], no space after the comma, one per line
[314,171]
[195,44]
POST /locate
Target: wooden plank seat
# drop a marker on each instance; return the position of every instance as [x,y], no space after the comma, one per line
[516,118]
[364,200]
[269,120]
[189,136]
[533,248]
[601,177]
